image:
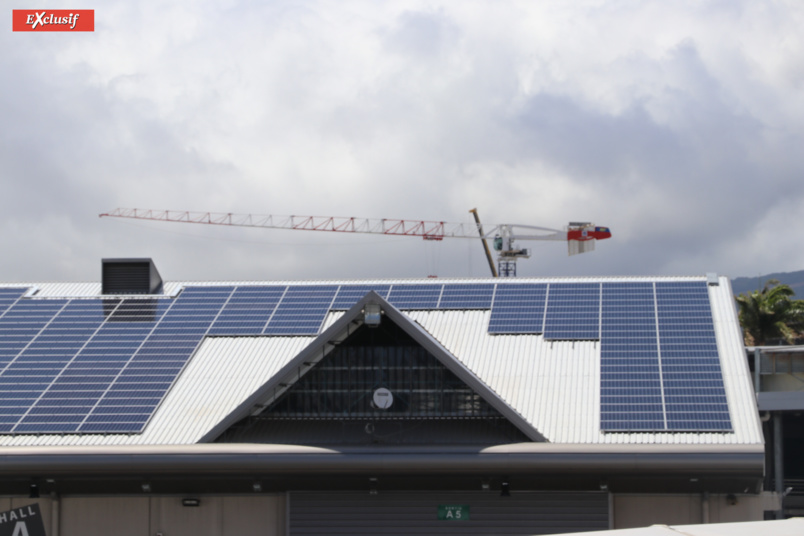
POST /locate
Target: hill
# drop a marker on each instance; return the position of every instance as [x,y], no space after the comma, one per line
[747,284]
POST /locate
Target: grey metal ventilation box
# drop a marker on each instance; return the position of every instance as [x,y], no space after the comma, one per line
[130,276]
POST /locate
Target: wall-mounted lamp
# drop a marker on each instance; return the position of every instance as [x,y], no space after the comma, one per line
[34,491]
[257,487]
[191,502]
[146,487]
[373,486]
[485,485]
[604,485]
[505,489]
[372,314]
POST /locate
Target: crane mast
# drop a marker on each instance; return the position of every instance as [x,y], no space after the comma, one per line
[579,236]
[485,243]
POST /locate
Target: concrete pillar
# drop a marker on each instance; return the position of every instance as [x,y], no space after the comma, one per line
[778,461]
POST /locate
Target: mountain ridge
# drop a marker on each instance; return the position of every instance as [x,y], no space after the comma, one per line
[795,280]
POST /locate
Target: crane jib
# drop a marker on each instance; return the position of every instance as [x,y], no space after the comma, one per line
[580,236]
[429,230]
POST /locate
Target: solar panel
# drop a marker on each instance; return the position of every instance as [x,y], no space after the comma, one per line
[415,296]
[248,310]
[301,310]
[518,308]
[348,295]
[467,296]
[21,323]
[573,311]
[8,297]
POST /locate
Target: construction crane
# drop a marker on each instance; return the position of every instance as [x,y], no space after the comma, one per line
[580,236]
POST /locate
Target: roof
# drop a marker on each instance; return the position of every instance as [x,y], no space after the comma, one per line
[550,387]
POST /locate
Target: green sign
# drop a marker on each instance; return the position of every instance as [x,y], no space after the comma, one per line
[453,512]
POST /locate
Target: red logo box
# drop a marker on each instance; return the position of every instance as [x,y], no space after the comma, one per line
[54,20]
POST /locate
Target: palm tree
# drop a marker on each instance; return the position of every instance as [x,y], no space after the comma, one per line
[770,313]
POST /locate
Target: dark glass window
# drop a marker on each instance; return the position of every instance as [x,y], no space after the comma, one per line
[343,383]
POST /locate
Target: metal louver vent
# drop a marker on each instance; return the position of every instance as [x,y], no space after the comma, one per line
[130,276]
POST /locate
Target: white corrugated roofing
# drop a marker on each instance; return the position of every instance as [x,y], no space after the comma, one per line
[80,289]
[93,289]
[554,385]
[219,377]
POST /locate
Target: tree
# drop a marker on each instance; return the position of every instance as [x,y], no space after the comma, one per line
[770,314]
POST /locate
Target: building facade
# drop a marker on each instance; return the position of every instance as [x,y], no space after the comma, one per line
[482,406]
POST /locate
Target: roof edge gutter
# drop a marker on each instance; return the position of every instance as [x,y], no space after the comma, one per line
[743,461]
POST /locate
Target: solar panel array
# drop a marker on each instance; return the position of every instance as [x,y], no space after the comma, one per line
[630,371]
[660,368]
[695,397]
[104,365]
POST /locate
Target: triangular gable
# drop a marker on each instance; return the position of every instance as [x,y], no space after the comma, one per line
[340,330]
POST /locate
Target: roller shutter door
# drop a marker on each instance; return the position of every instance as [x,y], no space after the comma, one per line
[418,513]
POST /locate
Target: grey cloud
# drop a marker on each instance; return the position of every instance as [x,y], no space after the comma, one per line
[382,113]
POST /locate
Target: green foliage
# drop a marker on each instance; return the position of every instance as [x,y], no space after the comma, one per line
[771,314]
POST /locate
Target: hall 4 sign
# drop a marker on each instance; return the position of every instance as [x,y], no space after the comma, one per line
[23,521]
[453,512]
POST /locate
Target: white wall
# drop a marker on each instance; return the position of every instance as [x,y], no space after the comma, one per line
[632,511]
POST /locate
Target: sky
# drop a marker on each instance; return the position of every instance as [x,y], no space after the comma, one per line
[677,124]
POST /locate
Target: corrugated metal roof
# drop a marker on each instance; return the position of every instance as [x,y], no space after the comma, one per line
[81,290]
[221,375]
[554,385]
[93,289]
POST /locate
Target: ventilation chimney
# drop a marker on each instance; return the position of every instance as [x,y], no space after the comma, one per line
[130,276]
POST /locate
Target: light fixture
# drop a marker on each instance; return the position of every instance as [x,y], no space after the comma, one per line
[146,487]
[373,486]
[257,487]
[34,491]
[372,314]
[604,485]
[505,489]
[191,502]
[485,485]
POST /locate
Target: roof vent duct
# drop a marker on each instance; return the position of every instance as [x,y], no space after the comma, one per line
[130,276]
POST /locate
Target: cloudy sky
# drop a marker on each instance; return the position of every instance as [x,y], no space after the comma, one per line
[677,124]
